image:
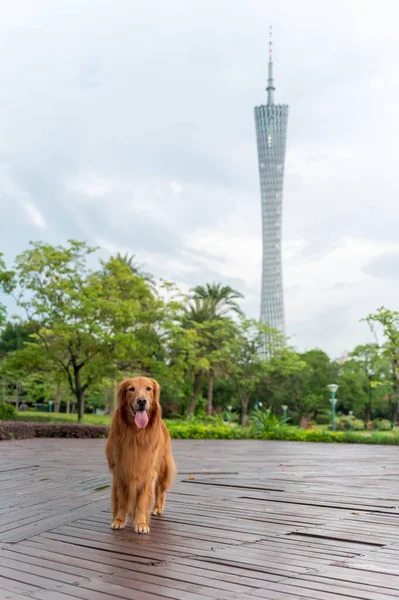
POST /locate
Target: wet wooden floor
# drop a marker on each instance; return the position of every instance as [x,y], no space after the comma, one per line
[245,520]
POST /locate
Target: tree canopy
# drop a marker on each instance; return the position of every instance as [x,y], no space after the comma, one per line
[83,324]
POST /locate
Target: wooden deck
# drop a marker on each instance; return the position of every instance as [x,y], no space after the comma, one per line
[245,520]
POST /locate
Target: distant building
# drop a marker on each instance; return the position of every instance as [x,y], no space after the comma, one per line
[271,129]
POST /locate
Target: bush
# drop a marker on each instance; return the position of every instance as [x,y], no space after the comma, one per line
[20,430]
[323,418]
[195,429]
[382,424]
[7,412]
[343,423]
[12,430]
[262,421]
[317,435]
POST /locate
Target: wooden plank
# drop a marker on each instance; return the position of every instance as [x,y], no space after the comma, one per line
[166,575]
[259,520]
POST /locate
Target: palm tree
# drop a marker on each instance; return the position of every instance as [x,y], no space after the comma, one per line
[222,297]
[210,303]
[197,312]
[130,261]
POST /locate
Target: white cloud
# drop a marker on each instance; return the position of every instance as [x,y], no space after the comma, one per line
[34,214]
[15,195]
[176,187]
[93,187]
[128,145]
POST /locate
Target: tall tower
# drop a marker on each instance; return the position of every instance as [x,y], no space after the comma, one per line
[271,128]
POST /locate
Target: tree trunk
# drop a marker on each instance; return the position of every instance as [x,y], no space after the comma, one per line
[395,403]
[244,409]
[367,413]
[395,407]
[210,392]
[114,401]
[304,422]
[197,389]
[68,406]
[81,407]
[57,403]
[80,397]
[18,398]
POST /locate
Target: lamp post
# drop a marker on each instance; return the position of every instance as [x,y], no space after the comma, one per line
[333,388]
[350,420]
[229,408]
[284,407]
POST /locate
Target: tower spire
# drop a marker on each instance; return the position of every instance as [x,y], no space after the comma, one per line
[270,84]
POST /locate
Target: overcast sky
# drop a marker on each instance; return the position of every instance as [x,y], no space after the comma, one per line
[130,124]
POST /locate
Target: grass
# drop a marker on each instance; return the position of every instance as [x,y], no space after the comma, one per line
[394,431]
[215,429]
[47,417]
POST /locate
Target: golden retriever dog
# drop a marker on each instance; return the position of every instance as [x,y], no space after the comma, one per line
[139,455]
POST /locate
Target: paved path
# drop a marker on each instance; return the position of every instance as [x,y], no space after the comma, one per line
[245,520]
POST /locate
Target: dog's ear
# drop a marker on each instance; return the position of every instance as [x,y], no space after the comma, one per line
[122,390]
[157,390]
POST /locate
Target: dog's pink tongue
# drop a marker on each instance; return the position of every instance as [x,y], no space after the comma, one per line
[141,419]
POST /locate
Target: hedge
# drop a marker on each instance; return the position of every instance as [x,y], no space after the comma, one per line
[197,430]
[21,430]
[8,412]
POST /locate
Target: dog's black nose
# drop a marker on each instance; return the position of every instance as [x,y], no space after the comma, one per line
[142,402]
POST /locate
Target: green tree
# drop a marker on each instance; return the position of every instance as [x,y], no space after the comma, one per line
[387,321]
[312,394]
[299,381]
[210,334]
[3,311]
[209,309]
[284,384]
[361,379]
[82,319]
[13,336]
[247,362]
[257,372]
[213,342]
[220,299]
[130,261]
[196,313]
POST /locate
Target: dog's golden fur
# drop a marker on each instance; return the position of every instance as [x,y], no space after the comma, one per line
[141,460]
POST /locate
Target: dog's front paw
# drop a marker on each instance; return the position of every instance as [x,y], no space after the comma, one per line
[156,511]
[118,524]
[141,528]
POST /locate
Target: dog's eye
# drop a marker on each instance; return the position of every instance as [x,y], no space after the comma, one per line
[148,389]
[132,389]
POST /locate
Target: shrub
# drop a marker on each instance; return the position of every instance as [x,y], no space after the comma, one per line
[21,430]
[262,421]
[229,417]
[7,412]
[382,424]
[195,429]
[343,423]
[10,430]
[323,418]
